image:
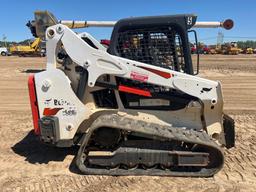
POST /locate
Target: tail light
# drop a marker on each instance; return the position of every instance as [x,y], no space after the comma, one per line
[33,103]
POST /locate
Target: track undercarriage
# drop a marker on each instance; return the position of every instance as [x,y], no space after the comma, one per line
[148,149]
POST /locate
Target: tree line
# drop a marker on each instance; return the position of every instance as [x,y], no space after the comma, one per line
[246,44]
[9,43]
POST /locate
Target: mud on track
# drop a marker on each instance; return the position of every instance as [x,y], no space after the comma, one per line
[25,165]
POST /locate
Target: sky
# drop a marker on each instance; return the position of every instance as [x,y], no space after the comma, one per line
[14,14]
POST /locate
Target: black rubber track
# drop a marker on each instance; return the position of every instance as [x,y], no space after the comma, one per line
[157,132]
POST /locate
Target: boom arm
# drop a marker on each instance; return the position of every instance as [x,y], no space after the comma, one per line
[36,43]
[98,62]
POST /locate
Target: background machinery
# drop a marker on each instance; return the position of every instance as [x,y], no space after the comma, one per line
[134,108]
[3,51]
[201,48]
[33,49]
[249,50]
[231,49]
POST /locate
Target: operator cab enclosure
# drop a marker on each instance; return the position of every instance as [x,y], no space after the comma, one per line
[156,40]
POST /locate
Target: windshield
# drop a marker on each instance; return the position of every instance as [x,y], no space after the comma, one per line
[156,46]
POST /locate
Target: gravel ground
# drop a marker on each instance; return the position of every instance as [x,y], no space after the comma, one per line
[26,165]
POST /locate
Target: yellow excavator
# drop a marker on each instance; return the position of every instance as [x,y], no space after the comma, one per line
[230,48]
[33,49]
[249,50]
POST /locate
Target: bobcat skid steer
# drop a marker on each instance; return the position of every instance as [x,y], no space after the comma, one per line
[134,108]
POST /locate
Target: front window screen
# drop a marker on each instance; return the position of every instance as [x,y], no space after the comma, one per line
[155,46]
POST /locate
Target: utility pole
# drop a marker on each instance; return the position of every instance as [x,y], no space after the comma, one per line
[4,40]
[219,40]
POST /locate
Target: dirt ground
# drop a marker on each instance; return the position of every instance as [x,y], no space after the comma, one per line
[26,165]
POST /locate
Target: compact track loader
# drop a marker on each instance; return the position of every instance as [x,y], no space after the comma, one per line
[134,108]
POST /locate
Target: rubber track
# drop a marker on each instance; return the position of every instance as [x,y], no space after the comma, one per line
[154,131]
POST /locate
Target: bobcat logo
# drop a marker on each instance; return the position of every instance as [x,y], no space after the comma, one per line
[47,101]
